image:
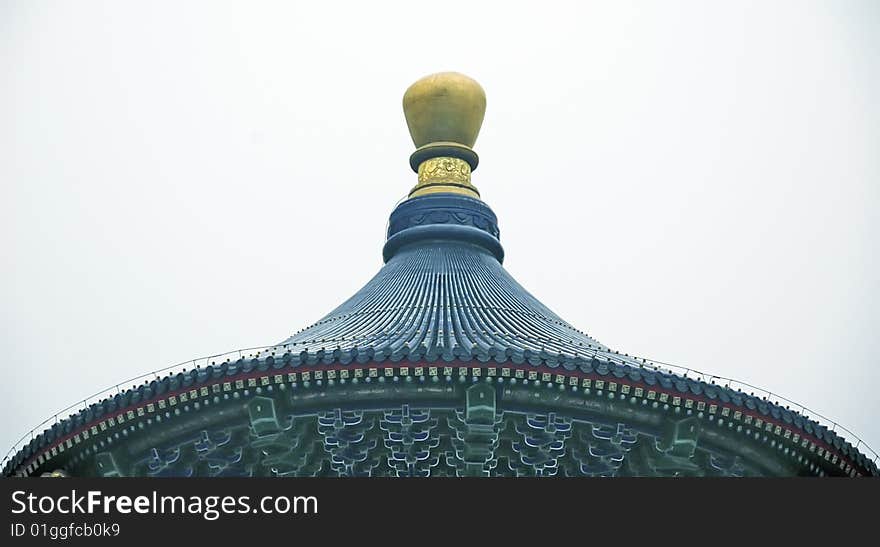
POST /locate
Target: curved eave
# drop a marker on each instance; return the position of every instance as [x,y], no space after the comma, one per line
[664,393]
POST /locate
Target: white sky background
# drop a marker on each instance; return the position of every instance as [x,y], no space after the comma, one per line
[692,182]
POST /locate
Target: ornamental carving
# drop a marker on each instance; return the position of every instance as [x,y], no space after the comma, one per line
[445,170]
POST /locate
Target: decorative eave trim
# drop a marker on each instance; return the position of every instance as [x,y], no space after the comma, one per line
[610,380]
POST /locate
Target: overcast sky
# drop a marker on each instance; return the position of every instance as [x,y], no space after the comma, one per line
[692,182]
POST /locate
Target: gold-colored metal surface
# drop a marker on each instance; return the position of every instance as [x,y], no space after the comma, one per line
[442,169]
[444,189]
[444,174]
[446,106]
[444,112]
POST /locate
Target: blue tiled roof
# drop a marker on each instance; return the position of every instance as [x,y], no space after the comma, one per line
[442,295]
[443,291]
[444,298]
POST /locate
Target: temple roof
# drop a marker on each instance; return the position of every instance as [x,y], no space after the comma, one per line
[443,295]
[448,297]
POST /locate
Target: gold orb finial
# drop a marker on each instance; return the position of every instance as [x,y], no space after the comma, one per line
[444,112]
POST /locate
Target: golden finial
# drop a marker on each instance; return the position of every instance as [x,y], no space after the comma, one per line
[444,112]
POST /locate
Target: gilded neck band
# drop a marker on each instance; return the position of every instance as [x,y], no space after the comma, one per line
[444,174]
